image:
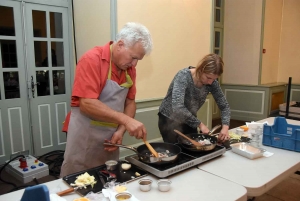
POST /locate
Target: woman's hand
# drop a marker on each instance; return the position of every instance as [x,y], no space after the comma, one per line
[203,128]
[224,135]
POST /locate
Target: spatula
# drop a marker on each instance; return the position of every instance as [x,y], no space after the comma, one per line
[69,190]
[151,149]
[197,144]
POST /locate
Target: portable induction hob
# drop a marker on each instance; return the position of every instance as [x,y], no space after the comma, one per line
[186,159]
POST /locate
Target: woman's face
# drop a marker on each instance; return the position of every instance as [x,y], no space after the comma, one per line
[207,79]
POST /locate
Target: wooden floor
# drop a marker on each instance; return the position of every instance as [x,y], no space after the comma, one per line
[287,190]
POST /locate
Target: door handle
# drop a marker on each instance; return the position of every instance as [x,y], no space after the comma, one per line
[33,86]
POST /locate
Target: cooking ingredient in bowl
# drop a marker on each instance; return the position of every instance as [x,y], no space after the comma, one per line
[81,199]
[126,166]
[120,189]
[164,185]
[83,180]
[145,184]
[137,174]
[123,196]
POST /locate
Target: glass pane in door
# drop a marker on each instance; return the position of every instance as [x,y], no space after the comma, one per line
[218,15]
[11,84]
[9,54]
[42,79]
[41,54]
[56,26]
[59,82]
[57,54]
[39,23]
[217,39]
[7,25]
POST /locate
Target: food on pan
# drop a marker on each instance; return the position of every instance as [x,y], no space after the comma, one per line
[162,154]
[137,174]
[126,166]
[83,180]
[204,142]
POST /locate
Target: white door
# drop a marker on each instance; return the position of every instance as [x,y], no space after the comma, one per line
[34,90]
[48,74]
[14,112]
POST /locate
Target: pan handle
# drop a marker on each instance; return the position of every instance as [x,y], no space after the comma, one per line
[69,190]
[214,129]
[121,145]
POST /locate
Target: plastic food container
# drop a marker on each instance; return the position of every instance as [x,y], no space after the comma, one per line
[164,185]
[247,150]
[111,164]
[123,196]
[145,184]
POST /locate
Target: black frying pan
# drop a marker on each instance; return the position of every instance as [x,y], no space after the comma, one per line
[197,137]
[145,155]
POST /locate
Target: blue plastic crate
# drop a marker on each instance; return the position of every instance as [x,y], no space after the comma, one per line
[282,135]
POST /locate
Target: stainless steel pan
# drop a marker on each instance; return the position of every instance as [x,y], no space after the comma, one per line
[144,154]
[197,137]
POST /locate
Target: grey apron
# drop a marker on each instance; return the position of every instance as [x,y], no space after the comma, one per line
[84,148]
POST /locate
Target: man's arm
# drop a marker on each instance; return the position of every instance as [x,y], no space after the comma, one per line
[129,110]
[117,138]
[101,112]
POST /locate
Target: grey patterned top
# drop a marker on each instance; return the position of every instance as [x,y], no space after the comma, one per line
[184,99]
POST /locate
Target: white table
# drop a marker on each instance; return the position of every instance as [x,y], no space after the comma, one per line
[258,175]
[191,184]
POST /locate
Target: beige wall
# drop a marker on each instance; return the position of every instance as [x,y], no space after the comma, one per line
[92,24]
[181,32]
[289,61]
[242,39]
[271,41]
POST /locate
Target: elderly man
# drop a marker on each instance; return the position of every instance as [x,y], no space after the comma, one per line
[103,100]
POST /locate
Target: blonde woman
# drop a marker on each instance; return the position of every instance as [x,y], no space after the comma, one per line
[186,95]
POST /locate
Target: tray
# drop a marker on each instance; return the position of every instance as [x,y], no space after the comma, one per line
[247,150]
[122,176]
[282,135]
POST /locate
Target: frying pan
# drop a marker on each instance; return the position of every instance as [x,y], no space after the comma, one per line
[197,137]
[160,147]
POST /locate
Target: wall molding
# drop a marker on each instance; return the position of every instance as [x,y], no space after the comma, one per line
[248,91]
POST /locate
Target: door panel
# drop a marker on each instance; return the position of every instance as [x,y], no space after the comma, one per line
[49,72]
[14,113]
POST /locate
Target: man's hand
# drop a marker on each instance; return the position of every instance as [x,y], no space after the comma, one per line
[116,139]
[136,129]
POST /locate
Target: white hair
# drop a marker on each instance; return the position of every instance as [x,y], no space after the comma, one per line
[132,33]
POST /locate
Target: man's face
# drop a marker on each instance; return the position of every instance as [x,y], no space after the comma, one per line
[128,56]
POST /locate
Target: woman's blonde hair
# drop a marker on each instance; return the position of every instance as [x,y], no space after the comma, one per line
[210,64]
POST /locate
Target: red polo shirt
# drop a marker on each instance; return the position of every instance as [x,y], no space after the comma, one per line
[91,75]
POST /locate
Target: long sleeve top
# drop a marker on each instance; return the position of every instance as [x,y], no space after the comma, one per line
[184,99]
